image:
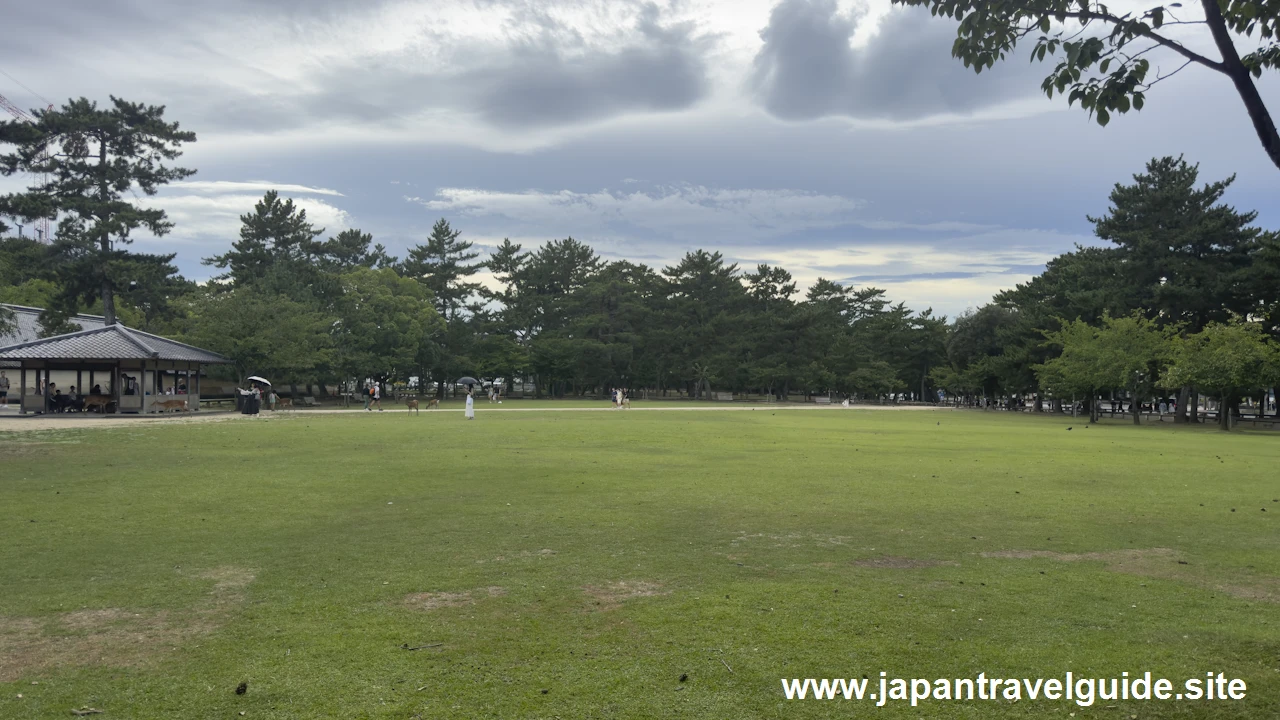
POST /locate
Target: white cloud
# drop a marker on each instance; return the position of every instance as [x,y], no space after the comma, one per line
[227,186]
[943,275]
[667,211]
[209,213]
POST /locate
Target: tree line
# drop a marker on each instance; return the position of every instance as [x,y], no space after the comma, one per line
[1181,298]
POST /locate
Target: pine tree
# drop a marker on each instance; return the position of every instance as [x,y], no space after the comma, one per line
[275,236]
[1185,255]
[352,249]
[443,264]
[92,158]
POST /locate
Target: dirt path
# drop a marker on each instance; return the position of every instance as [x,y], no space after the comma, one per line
[16,423]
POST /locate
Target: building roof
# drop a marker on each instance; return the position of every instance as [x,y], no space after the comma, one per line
[109,342]
[28,324]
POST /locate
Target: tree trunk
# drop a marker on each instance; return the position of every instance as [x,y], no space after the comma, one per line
[1183,395]
[108,297]
[1137,409]
[108,294]
[1233,68]
[1193,406]
[1225,406]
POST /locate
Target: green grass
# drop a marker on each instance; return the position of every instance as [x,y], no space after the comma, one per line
[795,544]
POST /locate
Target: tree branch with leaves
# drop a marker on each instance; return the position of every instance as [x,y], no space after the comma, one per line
[1102,54]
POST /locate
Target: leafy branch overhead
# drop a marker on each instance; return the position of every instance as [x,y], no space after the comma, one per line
[1104,56]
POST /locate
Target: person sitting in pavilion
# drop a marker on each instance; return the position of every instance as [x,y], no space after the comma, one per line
[74,401]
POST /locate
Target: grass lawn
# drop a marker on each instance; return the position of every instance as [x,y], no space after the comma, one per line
[576,565]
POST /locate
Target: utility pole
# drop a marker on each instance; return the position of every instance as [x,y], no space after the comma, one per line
[42,227]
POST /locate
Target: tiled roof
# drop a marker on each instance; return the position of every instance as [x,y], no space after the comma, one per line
[111,342]
[28,322]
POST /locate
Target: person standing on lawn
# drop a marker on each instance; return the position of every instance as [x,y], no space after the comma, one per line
[471,405]
[377,397]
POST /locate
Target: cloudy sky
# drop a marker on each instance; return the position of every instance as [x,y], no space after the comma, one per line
[838,139]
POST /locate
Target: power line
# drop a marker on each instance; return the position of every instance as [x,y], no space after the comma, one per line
[24,87]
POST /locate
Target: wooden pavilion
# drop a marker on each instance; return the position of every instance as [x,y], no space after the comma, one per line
[112,368]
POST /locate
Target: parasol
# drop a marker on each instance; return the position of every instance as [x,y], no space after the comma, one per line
[468,380]
[255,378]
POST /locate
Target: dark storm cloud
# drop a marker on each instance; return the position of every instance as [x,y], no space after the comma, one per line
[807,69]
[542,87]
[78,27]
[554,79]
[544,74]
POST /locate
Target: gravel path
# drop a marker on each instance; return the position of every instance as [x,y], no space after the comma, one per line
[21,423]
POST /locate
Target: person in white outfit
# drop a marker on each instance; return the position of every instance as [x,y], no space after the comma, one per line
[471,406]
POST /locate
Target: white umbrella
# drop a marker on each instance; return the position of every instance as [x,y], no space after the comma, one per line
[262,380]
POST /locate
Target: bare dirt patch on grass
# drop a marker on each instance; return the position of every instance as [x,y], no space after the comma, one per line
[1160,563]
[113,637]
[228,582]
[791,540]
[522,555]
[438,600]
[614,594]
[891,562]
[1120,560]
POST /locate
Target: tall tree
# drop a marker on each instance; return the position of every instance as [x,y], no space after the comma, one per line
[774,332]
[92,158]
[351,249]
[704,299]
[548,277]
[8,321]
[444,267]
[1185,256]
[276,240]
[1102,64]
[1183,251]
[444,264]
